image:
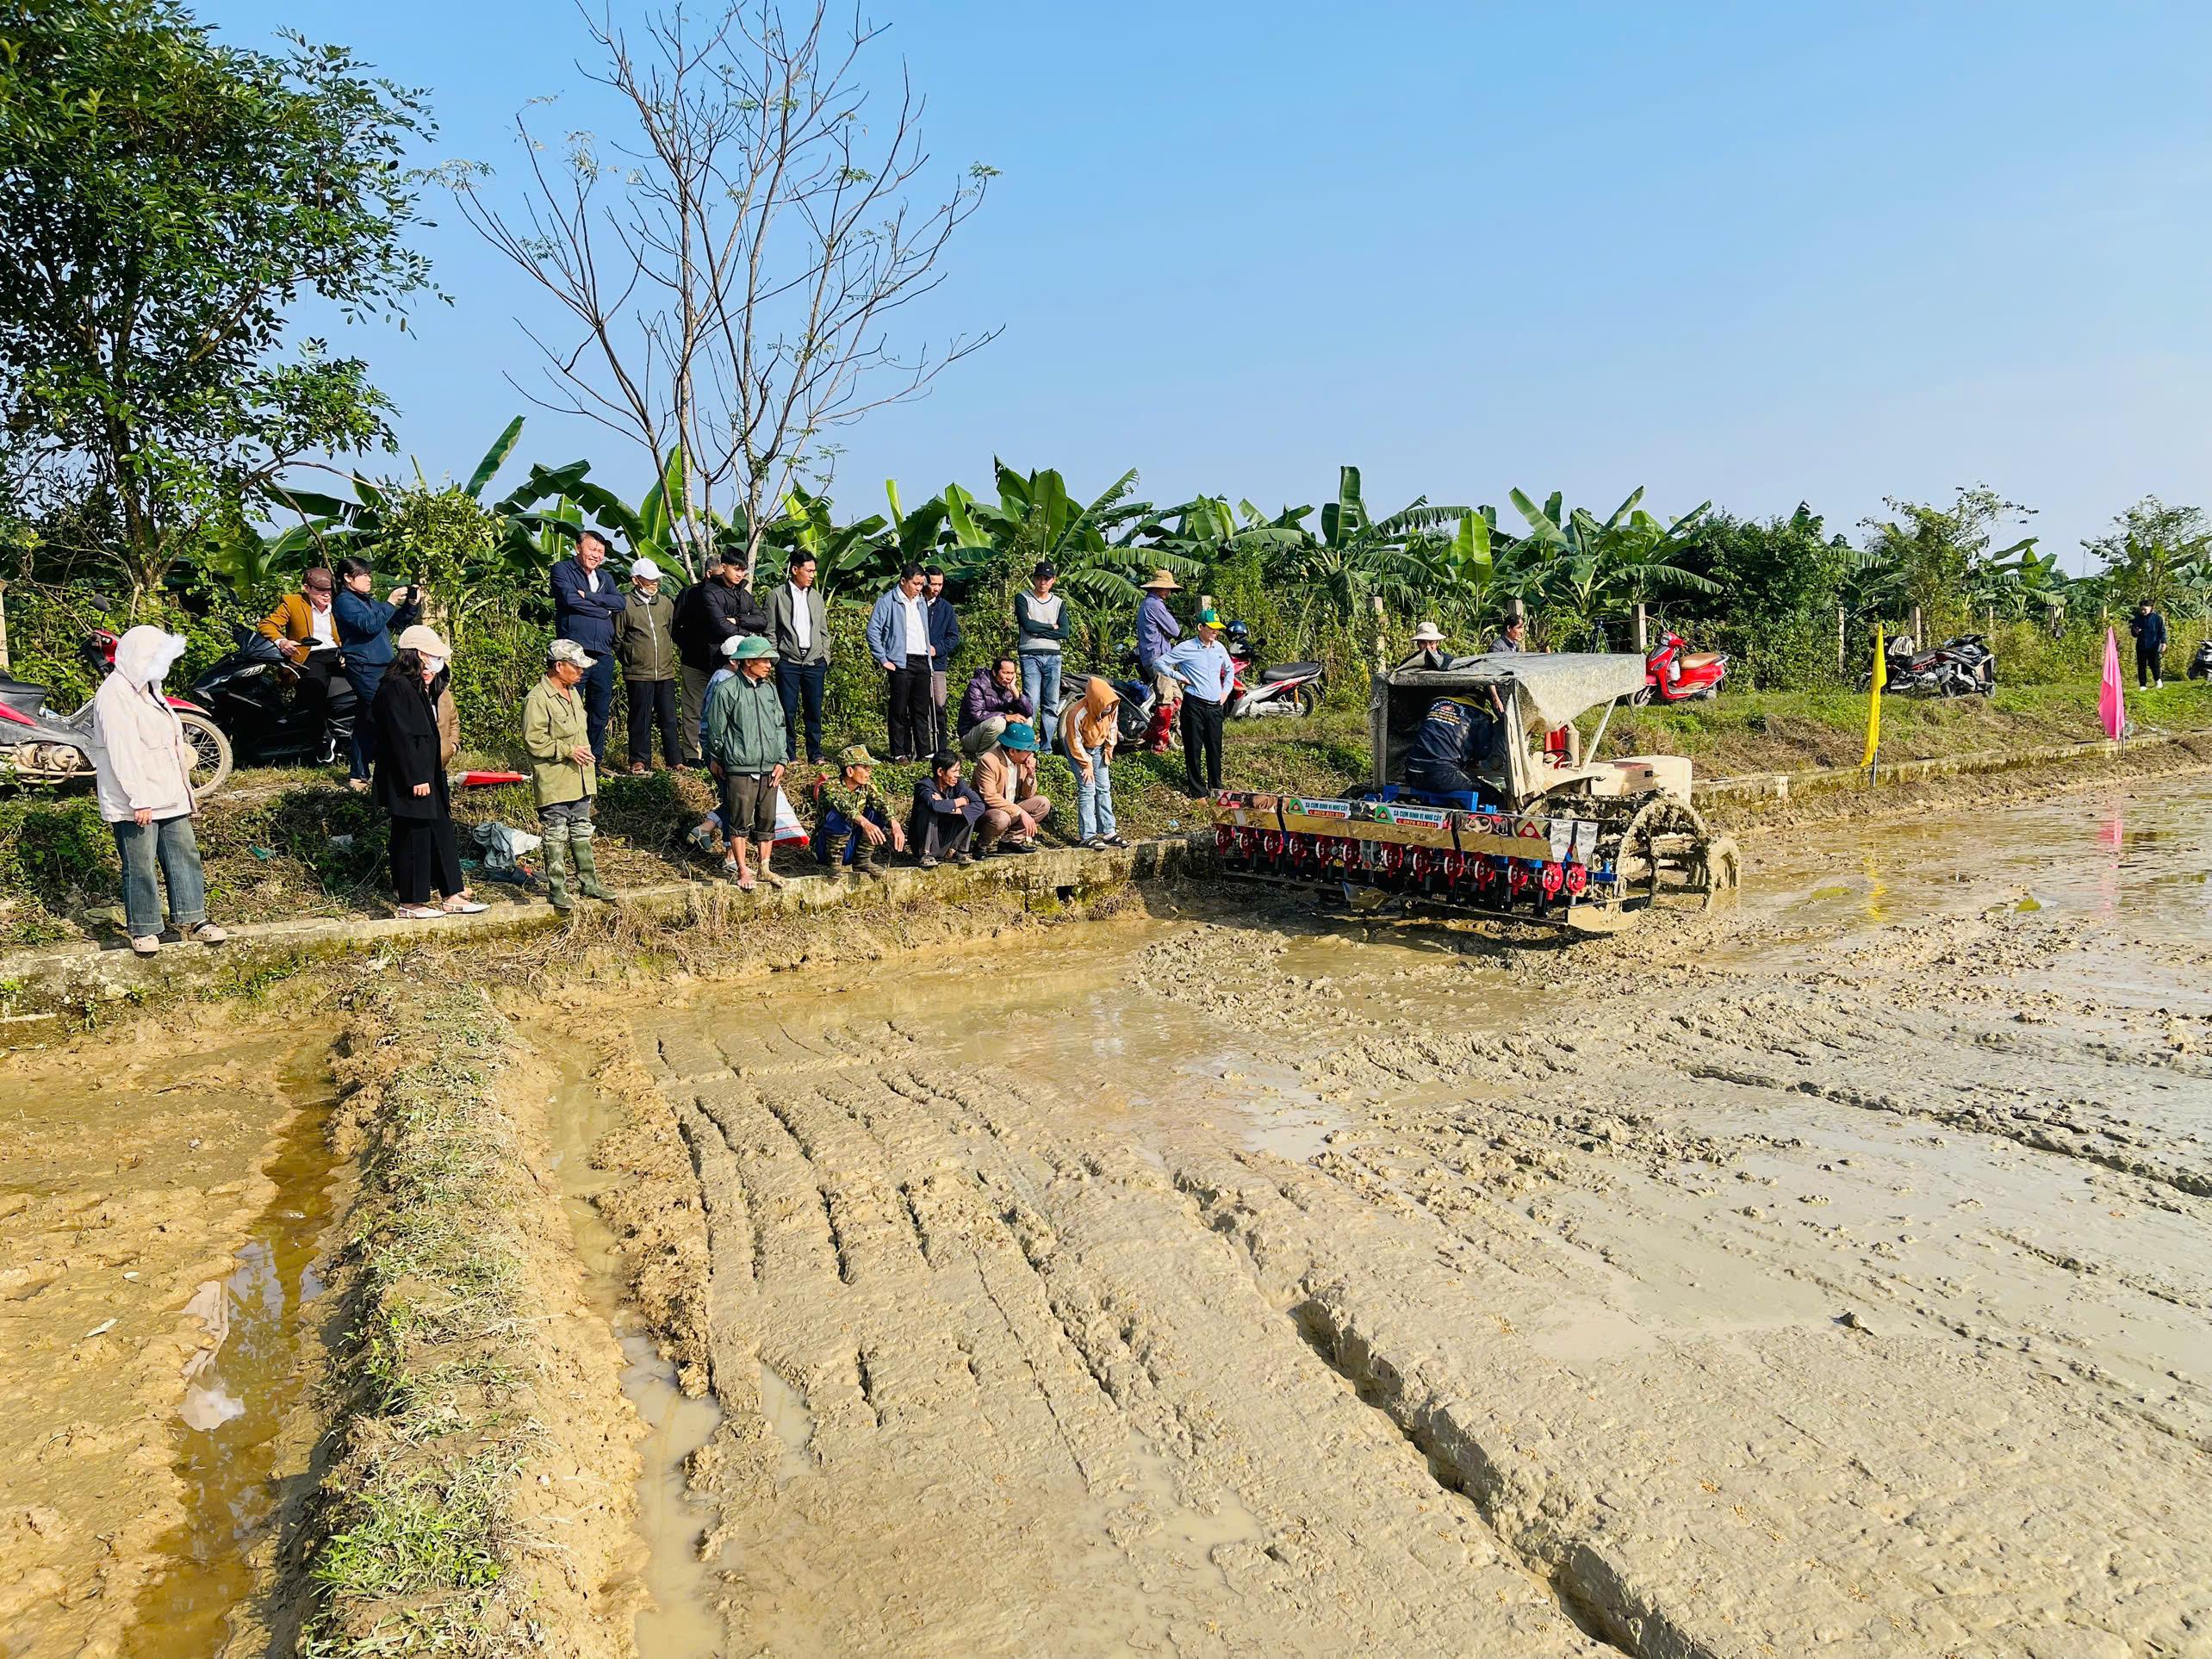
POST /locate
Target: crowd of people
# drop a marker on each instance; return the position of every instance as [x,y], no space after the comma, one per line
[715,678]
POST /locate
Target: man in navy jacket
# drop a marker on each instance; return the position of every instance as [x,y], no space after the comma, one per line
[585,601]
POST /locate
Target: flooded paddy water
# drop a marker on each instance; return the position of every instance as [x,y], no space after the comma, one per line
[1825,1273]
[162,1204]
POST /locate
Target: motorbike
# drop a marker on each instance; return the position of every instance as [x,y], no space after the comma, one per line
[2199,666]
[1288,688]
[1673,674]
[251,696]
[1961,667]
[1133,715]
[41,745]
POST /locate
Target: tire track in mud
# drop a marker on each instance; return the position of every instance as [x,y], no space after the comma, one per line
[2097,1082]
[1045,1408]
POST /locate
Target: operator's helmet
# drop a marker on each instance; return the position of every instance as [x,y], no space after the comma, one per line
[1239,632]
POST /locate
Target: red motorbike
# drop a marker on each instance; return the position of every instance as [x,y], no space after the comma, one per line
[1674,674]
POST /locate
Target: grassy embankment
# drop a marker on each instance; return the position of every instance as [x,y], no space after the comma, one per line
[474,1419]
[291,843]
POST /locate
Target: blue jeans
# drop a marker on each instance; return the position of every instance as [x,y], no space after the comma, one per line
[1094,796]
[170,843]
[365,678]
[1040,677]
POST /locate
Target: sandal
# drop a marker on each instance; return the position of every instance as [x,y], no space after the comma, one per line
[147,944]
[462,904]
[418,912]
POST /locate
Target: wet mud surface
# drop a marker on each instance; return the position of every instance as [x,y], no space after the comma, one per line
[161,1196]
[1826,1274]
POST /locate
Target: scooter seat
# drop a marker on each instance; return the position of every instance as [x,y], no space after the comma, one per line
[1287,671]
[1699,660]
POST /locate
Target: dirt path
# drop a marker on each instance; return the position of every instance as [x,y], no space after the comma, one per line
[1832,1274]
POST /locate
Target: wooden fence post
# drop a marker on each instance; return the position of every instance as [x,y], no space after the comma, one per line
[1382,634]
[1919,639]
[1643,632]
[1842,660]
[3,627]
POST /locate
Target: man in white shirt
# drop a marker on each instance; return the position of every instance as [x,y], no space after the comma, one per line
[898,639]
[799,628]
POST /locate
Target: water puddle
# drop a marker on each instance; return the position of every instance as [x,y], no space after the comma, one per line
[237,1462]
[2078,856]
[786,1410]
[678,1621]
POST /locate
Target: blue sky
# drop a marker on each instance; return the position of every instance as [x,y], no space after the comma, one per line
[1756,253]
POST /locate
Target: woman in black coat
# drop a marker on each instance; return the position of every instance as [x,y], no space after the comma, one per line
[410,781]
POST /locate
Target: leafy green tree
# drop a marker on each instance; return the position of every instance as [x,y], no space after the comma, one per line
[1775,585]
[2156,552]
[1924,556]
[164,201]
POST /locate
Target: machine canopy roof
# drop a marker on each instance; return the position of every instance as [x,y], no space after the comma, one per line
[1551,688]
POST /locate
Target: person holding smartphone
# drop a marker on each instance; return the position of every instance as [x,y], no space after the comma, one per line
[365,625]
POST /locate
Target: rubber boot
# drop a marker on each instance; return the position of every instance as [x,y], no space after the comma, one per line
[588,881]
[864,859]
[557,870]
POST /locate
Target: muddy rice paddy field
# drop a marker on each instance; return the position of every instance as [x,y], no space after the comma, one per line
[1825,1274]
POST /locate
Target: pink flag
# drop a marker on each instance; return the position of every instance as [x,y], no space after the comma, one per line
[2109,708]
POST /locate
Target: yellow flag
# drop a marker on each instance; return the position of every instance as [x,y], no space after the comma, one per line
[1875,698]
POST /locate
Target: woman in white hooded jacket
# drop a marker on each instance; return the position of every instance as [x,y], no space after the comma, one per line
[145,771]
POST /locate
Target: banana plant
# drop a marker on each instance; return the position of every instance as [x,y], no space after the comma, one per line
[1035,519]
[1583,569]
[854,561]
[1399,559]
[2018,581]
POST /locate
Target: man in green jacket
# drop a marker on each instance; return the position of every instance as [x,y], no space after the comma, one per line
[648,654]
[557,737]
[745,748]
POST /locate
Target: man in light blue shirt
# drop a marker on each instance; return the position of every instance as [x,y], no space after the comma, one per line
[1209,677]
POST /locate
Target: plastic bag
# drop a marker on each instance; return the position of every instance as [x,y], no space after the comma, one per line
[504,846]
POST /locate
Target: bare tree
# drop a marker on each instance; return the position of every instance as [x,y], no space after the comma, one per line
[731,266]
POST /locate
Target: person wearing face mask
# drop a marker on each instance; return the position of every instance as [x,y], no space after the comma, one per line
[143,772]
[410,782]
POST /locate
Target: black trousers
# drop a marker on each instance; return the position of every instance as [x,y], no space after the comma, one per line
[1202,739]
[909,719]
[653,702]
[423,851]
[598,688]
[799,684]
[2148,665]
[938,835]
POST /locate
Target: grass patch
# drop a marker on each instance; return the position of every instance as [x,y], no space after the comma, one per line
[416,1541]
